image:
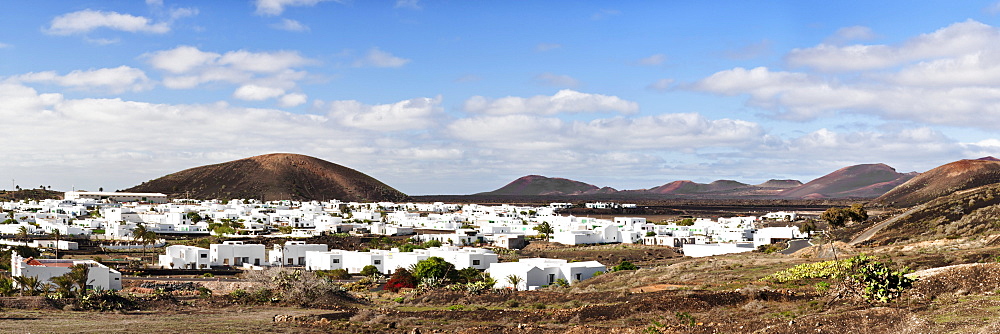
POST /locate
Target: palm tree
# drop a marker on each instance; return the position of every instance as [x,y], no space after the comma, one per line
[29,285]
[514,280]
[78,275]
[22,233]
[56,234]
[7,288]
[139,234]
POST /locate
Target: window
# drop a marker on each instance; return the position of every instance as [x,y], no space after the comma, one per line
[377,262]
[475,262]
[552,278]
[336,260]
[290,261]
[204,256]
[578,276]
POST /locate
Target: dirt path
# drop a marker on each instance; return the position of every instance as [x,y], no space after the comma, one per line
[870,232]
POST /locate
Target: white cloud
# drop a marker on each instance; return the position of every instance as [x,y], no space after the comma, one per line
[84,21]
[87,20]
[263,62]
[556,80]
[379,58]
[848,34]
[189,67]
[956,39]
[113,80]
[411,114]
[661,85]
[292,100]
[564,101]
[4,45]
[411,4]
[257,93]
[290,25]
[276,7]
[181,59]
[662,132]
[993,9]
[654,60]
[542,47]
[154,3]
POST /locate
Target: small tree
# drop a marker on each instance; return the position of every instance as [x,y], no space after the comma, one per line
[401,279]
[435,267]
[836,217]
[544,229]
[514,281]
[22,233]
[369,271]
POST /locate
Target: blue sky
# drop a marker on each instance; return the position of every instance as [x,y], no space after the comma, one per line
[457,97]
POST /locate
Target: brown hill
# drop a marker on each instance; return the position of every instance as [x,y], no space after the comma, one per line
[540,185]
[782,184]
[867,180]
[278,176]
[688,187]
[944,180]
[961,213]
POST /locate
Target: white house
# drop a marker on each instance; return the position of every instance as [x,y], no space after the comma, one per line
[538,272]
[770,235]
[98,275]
[116,196]
[235,253]
[185,257]
[293,253]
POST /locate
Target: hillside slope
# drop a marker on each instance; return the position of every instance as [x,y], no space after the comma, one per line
[276,176]
[944,180]
[866,180]
[540,185]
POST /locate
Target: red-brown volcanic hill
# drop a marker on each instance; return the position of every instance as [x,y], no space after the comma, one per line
[276,176]
[944,180]
[541,185]
[688,187]
[868,180]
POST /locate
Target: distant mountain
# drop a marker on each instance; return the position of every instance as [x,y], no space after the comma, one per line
[864,181]
[276,176]
[783,184]
[688,187]
[944,180]
[540,185]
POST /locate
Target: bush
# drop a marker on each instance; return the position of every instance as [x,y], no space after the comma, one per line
[336,274]
[401,279]
[208,275]
[861,277]
[435,267]
[370,270]
[295,286]
[624,265]
[105,300]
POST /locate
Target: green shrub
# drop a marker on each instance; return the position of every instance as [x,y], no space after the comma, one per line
[455,307]
[624,265]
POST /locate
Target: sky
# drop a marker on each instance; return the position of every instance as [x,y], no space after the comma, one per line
[459,97]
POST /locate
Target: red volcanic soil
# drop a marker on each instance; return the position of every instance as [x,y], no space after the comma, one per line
[276,176]
[868,180]
[944,180]
[541,185]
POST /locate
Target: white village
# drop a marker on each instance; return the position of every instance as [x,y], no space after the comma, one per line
[464,235]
